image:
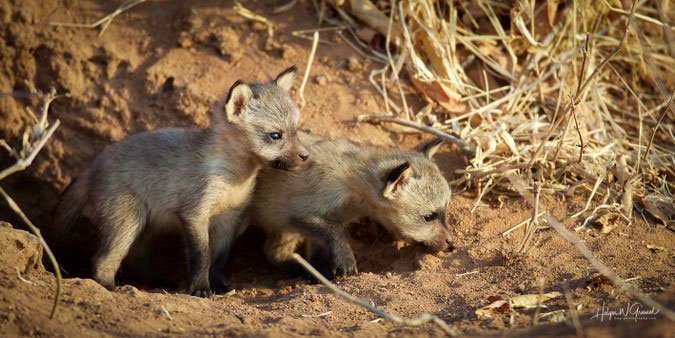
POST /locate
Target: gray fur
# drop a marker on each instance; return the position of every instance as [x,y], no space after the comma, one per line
[197,180]
[343,183]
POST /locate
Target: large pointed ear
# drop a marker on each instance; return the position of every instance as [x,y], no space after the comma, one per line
[395,179]
[238,97]
[286,78]
[430,148]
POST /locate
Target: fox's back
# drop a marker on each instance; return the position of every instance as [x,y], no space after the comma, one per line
[148,160]
[324,185]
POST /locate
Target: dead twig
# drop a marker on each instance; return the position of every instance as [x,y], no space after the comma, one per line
[25,162]
[18,275]
[532,225]
[285,7]
[517,226]
[104,22]
[33,148]
[166,312]
[423,319]
[584,60]
[392,119]
[394,71]
[25,157]
[249,14]
[664,112]
[308,68]
[573,311]
[537,312]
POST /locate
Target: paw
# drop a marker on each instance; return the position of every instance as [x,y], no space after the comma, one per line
[109,286]
[219,287]
[204,293]
[108,283]
[344,264]
[200,289]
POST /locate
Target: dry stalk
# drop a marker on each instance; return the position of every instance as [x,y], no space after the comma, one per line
[423,319]
[666,28]
[308,68]
[517,226]
[391,60]
[284,8]
[663,114]
[25,162]
[532,225]
[104,22]
[249,14]
[392,119]
[584,60]
[18,275]
[537,312]
[573,311]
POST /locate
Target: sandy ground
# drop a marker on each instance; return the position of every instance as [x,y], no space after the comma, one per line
[165,63]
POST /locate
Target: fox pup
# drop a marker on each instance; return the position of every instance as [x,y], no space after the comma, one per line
[196,180]
[342,183]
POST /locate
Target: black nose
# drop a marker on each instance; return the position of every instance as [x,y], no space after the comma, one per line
[304,157]
[451,247]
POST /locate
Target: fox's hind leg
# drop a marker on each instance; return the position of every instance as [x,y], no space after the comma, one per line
[279,248]
[120,225]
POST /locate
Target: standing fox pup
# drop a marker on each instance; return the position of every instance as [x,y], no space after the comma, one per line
[199,180]
[342,183]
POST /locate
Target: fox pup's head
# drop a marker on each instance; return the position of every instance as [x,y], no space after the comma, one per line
[268,117]
[413,197]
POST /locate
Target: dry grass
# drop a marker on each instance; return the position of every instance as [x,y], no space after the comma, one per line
[562,95]
[558,99]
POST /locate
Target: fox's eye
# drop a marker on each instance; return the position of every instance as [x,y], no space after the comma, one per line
[275,136]
[430,217]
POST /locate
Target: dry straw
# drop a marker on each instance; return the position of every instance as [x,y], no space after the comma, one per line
[558,97]
[564,99]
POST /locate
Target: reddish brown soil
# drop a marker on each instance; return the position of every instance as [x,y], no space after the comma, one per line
[164,63]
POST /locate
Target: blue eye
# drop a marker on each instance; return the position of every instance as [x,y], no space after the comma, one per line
[275,136]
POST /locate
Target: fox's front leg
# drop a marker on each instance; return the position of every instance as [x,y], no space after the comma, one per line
[196,231]
[223,230]
[340,257]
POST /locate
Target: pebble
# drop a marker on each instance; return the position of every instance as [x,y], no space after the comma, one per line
[321,80]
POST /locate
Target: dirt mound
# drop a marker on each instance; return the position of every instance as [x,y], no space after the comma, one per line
[21,254]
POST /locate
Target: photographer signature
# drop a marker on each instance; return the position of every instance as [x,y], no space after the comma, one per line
[632,311]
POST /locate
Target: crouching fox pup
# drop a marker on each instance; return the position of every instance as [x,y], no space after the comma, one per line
[196,180]
[342,183]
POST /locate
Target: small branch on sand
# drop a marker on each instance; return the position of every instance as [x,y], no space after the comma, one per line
[104,22]
[423,319]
